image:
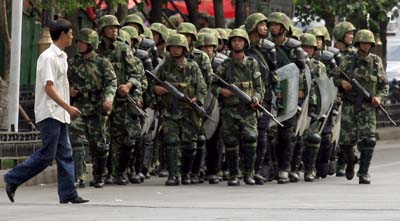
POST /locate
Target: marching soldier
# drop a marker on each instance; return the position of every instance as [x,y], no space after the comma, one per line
[358,123]
[181,123]
[239,120]
[93,85]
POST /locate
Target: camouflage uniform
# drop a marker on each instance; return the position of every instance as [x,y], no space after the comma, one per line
[358,121]
[265,54]
[239,121]
[164,34]
[312,138]
[96,82]
[125,122]
[289,51]
[181,123]
[204,63]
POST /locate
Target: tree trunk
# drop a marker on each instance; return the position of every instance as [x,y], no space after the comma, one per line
[156,11]
[122,11]
[219,14]
[240,13]
[192,7]
[5,35]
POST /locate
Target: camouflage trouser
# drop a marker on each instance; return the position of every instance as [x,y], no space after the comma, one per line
[239,134]
[125,132]
[180,141]
[79,145]
[200,152]
[358,125]
[94,129]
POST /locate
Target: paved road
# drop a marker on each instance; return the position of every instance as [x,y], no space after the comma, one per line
[329,199]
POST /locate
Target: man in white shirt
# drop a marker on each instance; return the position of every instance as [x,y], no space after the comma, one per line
[52,113]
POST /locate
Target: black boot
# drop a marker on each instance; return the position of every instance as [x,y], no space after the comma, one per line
[234,181]
[98,172]
[249,180]
[259,180]
[213,179]
[340,164]
[283,177]
[348,154]
[186,180]
[172,181]
[365,161]
[187,159]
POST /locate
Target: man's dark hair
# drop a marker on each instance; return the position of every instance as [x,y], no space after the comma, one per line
[59,26]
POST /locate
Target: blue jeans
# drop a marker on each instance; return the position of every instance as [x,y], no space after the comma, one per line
[56,145]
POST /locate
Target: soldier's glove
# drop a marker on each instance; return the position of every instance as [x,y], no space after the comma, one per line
[279,103]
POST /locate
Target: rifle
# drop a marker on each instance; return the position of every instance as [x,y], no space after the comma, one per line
[246,98]
[180,96]
[364,94]
[136,106]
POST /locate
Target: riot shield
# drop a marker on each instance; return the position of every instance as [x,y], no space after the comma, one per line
[212,108]
[289,75]
[303,122]
[148,121]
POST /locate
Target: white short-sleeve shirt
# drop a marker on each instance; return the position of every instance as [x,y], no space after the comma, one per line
[51,66]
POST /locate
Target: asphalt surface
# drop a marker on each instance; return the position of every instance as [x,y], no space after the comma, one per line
[332,198]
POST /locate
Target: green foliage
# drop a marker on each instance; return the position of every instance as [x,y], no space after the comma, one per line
[67,6]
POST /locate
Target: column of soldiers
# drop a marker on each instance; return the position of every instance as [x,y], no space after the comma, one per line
[158,101]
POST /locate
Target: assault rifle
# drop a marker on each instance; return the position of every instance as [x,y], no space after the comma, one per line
[136,106]
[246,98]
[364,94]
[180,96]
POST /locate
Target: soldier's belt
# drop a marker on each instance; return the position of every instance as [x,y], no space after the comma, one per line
[244,84]
[93,96]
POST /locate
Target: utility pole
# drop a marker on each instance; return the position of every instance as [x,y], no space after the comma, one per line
[15,62]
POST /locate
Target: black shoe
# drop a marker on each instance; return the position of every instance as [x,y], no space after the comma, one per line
[77,199]
[141,177]
[340,172]
[225,175]
[109,179]
[364,179]
[81,184]
[249,180]
[10,190]
[186,180]
[213,179]
[283,177]
[92,182]
[135,179]
[234,181]
[99,183]
[163,173]
[294,177]
[194,179]
[309,177]
[172,181]
[332,168]
[350,171]
[260,180]
[121,180]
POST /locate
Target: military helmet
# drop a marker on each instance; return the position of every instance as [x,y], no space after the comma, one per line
[295,32]
[107,20]
[136,19]
[364,36]
[178,40]
[327,36]
[187,28]
[222,34]
[228,31]
[280,18]
[252,21]
[132,32]
[238,32]
[161,29]
[308,39]
[147,33]
[88,36]
[317,32]
[125,37]
[205,39]
[341,29]
[171,31]
[210,31]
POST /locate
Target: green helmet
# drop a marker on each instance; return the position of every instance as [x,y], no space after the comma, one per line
[210,31]
[187,28]
[327,36]
[295,32]
[317,32]
[341,29]
[178,40]
[280,18]
[125,37]
[147,33]
[308,39]
[136,19]
[222,34]
[228,31]
[132,32]
[252,21]
[238,32]
[205,39]
[364,36]
[88,36]
[171,31]
[107,20]
[161,29]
